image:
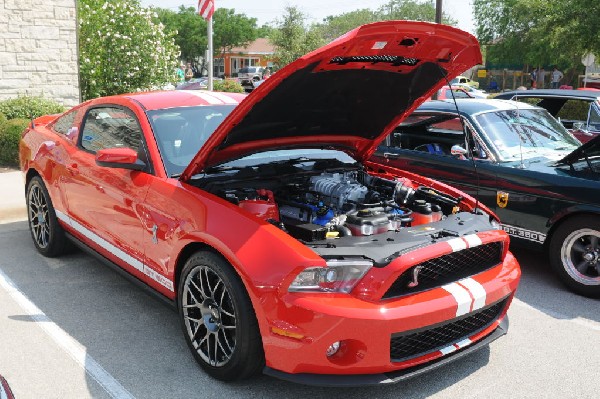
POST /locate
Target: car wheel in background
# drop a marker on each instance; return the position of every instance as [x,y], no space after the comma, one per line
[575,254]
[218,321]
[48,235]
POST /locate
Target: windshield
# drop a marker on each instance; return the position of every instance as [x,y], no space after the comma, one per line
[181,132]
[526,132]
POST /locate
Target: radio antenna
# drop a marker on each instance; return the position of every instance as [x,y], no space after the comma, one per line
[469,139]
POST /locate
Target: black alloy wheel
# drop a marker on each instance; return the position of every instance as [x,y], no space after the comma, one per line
[218,321]
[47,234]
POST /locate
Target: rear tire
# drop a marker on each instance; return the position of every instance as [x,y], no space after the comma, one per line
[217,318]
[48,235]
[575,254]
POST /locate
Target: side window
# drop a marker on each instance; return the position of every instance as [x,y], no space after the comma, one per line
[64,123]
[110,127]
[594,122]
[574,110]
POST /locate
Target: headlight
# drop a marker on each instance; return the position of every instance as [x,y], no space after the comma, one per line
[337,276]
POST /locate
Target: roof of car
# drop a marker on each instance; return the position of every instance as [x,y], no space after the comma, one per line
[183,98]
[584,94]
[471,105]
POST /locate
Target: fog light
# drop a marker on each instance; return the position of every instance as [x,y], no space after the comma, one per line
[333,348]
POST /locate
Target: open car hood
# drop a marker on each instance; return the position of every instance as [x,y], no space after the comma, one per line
[347,95]
[591,146]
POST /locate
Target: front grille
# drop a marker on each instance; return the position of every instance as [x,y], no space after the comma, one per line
[447,268]
[413,344]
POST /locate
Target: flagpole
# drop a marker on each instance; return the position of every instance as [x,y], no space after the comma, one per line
[210,54]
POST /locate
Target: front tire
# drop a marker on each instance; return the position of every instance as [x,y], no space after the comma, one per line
[218,321]
[48,235]
[575,254]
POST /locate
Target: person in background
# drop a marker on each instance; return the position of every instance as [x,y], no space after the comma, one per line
[266,73]
[557,76]
[181,74]
[534,74]
[541,78]
[189,73]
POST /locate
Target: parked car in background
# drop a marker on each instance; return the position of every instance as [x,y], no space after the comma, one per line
[448,92]
[283,247]
[520,162]
[464,80]
[196,84]
[248,75]
[577,110]
[473,91]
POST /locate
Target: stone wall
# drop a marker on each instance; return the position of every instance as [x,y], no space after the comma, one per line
[38,49]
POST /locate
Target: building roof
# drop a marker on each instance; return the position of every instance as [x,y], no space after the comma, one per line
[259,46]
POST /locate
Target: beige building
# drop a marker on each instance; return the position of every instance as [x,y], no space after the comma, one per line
[38,50]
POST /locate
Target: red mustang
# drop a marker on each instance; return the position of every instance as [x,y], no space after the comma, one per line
[283,248]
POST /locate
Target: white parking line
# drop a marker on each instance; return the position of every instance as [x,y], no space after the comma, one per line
[66,342]
[592,325]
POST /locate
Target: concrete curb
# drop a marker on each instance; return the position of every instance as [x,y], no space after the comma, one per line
[12,199]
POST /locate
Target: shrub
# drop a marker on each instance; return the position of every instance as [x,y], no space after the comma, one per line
[231,86]
[123,48]
[28,107]
[10,134]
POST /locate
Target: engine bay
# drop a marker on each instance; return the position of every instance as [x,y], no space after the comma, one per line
[313,201]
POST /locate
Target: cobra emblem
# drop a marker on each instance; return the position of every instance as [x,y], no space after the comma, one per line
[415,276]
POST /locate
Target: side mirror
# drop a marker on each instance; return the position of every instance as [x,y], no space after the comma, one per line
[458,151]
[124,158]
[72,133]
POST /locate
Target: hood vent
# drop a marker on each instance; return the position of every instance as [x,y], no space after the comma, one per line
[395,60]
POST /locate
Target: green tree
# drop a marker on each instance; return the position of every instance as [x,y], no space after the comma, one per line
[412,9]
[334,26]
[188,29]
[538,33]
[232,30]
[122,48]
[292,38]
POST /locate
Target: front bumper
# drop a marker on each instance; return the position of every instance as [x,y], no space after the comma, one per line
[355,380]
[301,329]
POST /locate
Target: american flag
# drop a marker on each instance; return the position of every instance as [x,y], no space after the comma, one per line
[206,8]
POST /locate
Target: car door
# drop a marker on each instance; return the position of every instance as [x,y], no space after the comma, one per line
[104,202]
[427,152]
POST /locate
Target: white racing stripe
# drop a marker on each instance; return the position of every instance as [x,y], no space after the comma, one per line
[125,257]
[472,240]
[461,296]
[477,291]
[225,98]
[66,342]
[202,94]
[448,349]
[457,244]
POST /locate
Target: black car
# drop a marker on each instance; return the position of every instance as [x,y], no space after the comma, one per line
[577,110]
[520,162]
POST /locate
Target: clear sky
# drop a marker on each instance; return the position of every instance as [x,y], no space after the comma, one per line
[266,11]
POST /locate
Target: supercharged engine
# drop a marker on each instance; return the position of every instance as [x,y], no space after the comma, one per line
[348,203]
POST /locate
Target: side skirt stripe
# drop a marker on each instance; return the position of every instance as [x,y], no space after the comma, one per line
[130,260]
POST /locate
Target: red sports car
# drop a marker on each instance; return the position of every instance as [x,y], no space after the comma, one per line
[260,218]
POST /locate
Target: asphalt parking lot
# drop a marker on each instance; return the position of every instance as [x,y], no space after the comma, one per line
[73,328]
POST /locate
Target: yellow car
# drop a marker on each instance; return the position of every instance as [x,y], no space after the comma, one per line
[465,80]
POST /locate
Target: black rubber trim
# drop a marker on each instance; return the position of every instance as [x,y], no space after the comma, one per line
[357,380]
[145,287]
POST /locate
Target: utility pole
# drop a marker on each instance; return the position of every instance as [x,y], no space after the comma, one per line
[438,11]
